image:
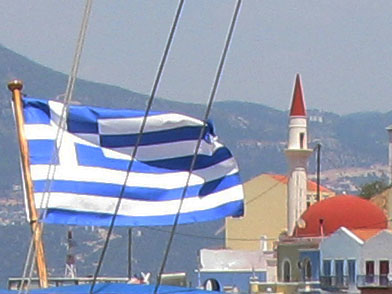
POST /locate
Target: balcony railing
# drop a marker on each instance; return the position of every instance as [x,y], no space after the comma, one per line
[381,281]
[336,282]
[16,283]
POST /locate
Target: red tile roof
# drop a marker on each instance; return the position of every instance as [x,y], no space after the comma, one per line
[312,186]
[365,234]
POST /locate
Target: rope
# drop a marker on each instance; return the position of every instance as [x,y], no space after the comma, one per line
[78,53]
[67,100]
[139,137]
[208,110]
[29,257]
[60,132]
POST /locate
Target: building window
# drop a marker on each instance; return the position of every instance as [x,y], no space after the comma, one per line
[286,271]
[310,199]
[339,274]
[307,270]
[369,267]
[351,272]
[384,271]
[301,140]
[327,271]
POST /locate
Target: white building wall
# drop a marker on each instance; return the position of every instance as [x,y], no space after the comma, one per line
[341,245]
[226,259]
[297,126]
[297,154]
[296,187]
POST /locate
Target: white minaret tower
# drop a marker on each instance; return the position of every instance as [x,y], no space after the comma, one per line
[297,154]
[389,130]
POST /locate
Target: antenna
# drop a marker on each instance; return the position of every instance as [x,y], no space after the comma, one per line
[318,171]
[70,267]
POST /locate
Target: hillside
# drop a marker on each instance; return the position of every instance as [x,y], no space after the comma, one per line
[352,146]
[255,133]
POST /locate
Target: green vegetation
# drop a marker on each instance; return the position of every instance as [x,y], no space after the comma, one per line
[369,190]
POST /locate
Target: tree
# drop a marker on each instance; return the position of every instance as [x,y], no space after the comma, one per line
[369,190]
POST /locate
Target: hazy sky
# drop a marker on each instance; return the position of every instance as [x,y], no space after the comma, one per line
[342,48]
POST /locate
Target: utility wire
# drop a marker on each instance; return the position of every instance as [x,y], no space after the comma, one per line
[207,113]
[204,236]
[189,235]
[263,193]
[219,238]
[138,140]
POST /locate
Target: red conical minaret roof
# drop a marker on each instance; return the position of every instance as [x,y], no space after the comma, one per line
[298,103]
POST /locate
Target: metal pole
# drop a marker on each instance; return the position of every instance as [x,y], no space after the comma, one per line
[15,87]
[318,171]
[129,253]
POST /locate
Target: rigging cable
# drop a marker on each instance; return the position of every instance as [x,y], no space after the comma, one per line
[30,255]
[208,110]
[139,137]
[67,101]
[59,135]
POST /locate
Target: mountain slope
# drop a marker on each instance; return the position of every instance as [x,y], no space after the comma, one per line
[256,134]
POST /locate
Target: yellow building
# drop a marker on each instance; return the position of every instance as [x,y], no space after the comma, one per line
[265,212]
[384,201]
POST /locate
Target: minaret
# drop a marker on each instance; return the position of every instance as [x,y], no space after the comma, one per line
[297,154]
[389,130]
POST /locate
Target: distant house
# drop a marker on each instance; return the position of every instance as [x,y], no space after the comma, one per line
[338,244]
[376,262]
[231,270]
[357,259]
[341,256]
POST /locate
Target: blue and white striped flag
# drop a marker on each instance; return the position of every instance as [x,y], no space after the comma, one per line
[93,157]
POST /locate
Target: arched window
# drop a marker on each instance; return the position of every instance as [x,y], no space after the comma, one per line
[307,269]
[286,271]
[301,140]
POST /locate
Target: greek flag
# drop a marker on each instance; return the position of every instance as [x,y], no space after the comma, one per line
[89,167]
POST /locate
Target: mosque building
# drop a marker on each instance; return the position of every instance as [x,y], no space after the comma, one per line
[288,243]
[326,249]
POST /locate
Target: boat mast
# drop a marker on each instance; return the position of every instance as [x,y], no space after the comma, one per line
[15,87]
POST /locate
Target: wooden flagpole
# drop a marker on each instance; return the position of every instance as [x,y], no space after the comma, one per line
[15,87]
